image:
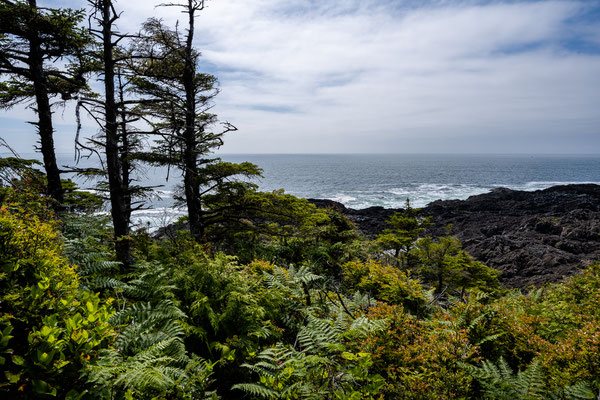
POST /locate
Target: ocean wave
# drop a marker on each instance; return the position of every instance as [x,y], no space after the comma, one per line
[159,211]
[535,185]
[342,198]
[153,219]
[421,194]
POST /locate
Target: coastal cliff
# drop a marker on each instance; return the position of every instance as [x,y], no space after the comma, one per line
[531,237]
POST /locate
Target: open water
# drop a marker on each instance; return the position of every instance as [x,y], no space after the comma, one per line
[364,180]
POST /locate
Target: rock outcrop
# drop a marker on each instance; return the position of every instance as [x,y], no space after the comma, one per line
[531,237]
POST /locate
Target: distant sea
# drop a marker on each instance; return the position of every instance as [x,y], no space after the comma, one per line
[364,180]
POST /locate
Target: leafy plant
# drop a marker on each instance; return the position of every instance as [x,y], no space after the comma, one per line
[318,366]
[51,328]
[385,283]
[149,358]
[399,238]
[499,382]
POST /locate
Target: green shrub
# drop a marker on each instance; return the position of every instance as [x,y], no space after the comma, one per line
[52,330]
[385,283]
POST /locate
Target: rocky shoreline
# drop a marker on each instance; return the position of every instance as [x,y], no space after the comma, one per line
[531,237]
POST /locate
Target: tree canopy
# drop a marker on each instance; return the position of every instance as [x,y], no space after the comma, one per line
[43,55]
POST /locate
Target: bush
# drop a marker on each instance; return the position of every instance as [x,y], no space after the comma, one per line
[52,330]
[418,359]
[385,283]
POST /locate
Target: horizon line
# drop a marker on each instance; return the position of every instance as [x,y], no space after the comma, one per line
[363,153]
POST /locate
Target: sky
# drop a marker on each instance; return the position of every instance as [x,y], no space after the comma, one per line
[386,76]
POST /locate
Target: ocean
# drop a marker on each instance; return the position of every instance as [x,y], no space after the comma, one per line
[365,180]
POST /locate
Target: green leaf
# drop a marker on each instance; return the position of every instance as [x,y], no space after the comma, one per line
[18,360]
[7,330]
[44,284]
[45,358]
[75,395]
[42,387]
[46,330]
[4,339]
[61,364]
[12,378]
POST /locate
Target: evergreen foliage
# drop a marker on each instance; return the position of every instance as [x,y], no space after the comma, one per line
[86,238]
[42,56]
[149,357]
[178,97]
[385,283]
[405,227]
[318,365]
[499,382]
[446,265]
[265,296]
[185,323]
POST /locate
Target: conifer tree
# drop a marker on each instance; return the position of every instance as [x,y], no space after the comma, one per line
[41,57]
[443,262]
[404,229]
[177,97]
[105,16]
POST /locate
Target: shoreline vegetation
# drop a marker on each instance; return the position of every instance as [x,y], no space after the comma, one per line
[298,307]
[264,295]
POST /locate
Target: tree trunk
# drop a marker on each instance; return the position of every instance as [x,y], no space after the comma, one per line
[126,166]
[119,209]
[440,282]
[190,176]
[45,129]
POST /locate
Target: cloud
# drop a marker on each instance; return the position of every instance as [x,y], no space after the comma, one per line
[385,76]
[367,79]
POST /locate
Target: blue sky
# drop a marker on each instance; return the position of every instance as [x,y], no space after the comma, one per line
[341,76]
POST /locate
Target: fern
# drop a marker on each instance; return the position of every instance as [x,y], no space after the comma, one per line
[499,382]
[151,281]
[304,275]
[93,264]
[317,366]
[581,391]
[319,334]
[149,355]
[86,247]
[363,326]
[257,390]
[530,383]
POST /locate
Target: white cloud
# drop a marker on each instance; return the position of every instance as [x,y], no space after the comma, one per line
[361,81]
[360,76]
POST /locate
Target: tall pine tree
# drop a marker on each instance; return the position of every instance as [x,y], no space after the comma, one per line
[178,101]
[105,16]
[42,56]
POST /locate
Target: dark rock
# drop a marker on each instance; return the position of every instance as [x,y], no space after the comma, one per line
[531,237]
[323,203]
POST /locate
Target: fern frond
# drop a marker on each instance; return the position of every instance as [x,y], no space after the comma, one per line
[105,282]
[581,391]
[530,383]
[499,382]
[305,276]
[258,390]
[365,326]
